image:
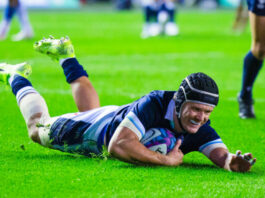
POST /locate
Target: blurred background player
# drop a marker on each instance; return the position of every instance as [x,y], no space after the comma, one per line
[159,16]
[16,7]
[254,59]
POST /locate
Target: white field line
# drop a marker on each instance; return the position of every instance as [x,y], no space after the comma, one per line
[169,56]
[118,92]
[159,55]
[68,92]
[47,91]
[61,92]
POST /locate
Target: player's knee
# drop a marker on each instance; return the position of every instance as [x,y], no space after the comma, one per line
[259,51]
[33,129]
[34,135]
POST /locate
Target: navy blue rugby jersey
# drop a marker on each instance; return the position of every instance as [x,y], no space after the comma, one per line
[84,132]
[155,110]
[150,111]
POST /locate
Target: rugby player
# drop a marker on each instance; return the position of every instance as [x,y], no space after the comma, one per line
[13,7]
[120,128]
[254,59]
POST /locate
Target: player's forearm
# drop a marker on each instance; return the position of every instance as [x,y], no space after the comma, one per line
[219,156]
[125,146]
[231,162]
[134,152]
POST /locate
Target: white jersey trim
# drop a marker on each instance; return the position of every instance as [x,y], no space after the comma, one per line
[200,91]
[207,148]
[170,113]
[132,122]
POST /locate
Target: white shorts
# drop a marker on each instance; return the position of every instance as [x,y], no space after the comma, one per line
[81,132]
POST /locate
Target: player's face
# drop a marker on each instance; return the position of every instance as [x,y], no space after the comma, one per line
[194,115]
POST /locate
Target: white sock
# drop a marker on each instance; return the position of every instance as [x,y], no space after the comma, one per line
[23,92]
[31,104]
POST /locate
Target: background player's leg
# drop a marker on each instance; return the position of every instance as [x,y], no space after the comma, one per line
[151,27]
[8,15]
[252,64]
[170,26]
[258,35]
[241,18]
[26,29]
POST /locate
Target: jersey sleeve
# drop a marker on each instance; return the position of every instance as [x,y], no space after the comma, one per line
[204,141]
[145,113]
[132,122]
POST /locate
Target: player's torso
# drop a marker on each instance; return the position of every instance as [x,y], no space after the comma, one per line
[150,111]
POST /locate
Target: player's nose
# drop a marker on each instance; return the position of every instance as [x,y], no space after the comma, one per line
[200,116]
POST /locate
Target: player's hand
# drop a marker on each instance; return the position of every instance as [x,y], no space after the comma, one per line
[175,156]
[242,163]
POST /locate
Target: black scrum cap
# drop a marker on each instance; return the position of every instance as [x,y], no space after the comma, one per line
[198,88]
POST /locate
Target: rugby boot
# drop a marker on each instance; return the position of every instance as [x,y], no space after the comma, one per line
[6,70]
[55,48]
[246,109]
[171,29]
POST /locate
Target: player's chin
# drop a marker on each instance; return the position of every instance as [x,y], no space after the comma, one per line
[192,128]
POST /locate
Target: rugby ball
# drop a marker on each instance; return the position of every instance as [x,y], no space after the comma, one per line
[159,140]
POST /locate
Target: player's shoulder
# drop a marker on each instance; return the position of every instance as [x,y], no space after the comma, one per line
[153,103]
[161,94]
[159,98]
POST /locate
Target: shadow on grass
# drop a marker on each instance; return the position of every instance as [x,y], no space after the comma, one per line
[199,166]
[63,157]
[184,165]
[194,167]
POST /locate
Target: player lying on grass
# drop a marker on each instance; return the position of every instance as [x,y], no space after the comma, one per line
[185,112]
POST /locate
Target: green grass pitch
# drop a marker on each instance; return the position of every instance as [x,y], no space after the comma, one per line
[124,67]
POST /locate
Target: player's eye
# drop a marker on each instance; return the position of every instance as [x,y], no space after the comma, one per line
[208,112]
[196,109]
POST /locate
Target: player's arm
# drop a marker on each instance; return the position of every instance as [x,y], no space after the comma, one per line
[211,145]
[125,145]
[232,162]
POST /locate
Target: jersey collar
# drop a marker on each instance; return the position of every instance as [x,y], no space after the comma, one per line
[170,110]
